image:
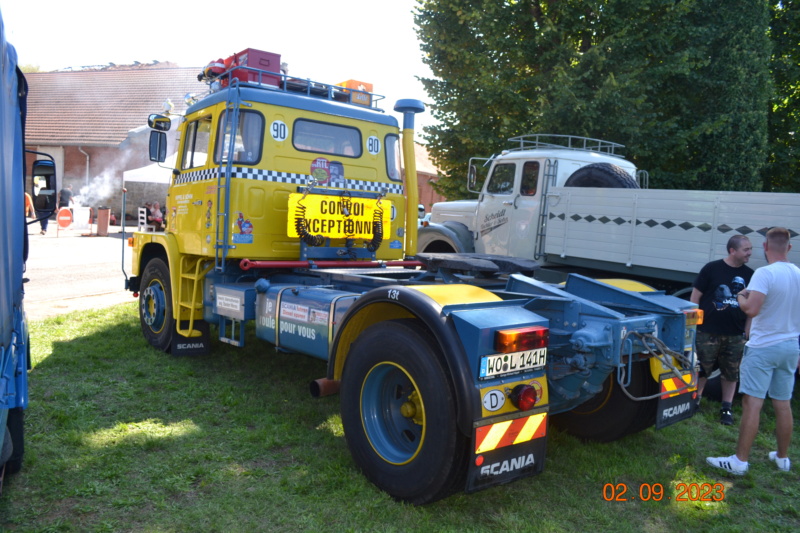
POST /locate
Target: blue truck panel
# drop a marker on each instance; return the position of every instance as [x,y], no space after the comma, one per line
[13,246]
[14,337]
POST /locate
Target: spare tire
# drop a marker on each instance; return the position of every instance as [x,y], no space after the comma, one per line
[604,175]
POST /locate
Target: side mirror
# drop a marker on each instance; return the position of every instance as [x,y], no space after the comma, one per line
[472,177]
[159,122]
[158,146]
[44,185]
[420,211]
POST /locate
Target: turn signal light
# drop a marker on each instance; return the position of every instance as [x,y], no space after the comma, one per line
[523,397]
[521,339]
[694,317]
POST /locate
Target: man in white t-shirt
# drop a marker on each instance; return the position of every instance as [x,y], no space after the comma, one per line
[772,300]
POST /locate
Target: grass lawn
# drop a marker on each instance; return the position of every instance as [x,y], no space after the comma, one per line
[120,437]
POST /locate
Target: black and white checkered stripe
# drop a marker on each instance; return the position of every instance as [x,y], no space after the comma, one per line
[197,175]
[666,223]
[288,178]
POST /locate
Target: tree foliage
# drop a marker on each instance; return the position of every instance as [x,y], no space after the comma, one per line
[684,84]
[782,172]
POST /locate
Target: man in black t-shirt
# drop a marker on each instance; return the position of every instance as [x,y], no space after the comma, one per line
[720,339]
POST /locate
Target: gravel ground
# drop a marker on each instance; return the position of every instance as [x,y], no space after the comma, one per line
[74,269]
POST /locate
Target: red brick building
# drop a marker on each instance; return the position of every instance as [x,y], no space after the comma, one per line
[94,123]
[427,174]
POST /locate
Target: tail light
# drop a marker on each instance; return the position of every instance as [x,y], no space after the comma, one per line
[521,339]
[523,397]
[694,317]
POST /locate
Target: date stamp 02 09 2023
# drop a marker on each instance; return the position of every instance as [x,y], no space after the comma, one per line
[684,492]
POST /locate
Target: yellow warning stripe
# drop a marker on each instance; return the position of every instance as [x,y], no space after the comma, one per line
[671,384]
[529,429]
[492,439]
[510,432]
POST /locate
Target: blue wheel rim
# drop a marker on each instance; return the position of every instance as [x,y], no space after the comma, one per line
[393,413]
[154,306]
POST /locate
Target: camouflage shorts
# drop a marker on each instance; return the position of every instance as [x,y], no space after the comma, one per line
[723,352]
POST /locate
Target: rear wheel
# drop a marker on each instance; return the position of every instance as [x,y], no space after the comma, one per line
[611,415]
[604,175]
[399,415]
[155,305]
[13,444]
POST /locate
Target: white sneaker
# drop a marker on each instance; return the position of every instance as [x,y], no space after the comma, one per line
[731,464]
[784,464]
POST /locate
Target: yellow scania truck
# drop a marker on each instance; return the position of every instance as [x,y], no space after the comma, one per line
[289,211]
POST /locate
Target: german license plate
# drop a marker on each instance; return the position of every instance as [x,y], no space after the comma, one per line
[512,363]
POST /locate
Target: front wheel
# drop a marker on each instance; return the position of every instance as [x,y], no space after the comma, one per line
[399,415]
[155,305]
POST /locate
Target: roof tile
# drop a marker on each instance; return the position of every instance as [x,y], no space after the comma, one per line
[100,107]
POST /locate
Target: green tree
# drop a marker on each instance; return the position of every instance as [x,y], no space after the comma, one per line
[479,53]
[782,173]
[684,85]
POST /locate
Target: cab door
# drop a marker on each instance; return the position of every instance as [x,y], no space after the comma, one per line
[525,211]
[494,208]
[507,209]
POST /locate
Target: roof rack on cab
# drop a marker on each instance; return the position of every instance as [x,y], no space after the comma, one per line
[256,68]
[568,142]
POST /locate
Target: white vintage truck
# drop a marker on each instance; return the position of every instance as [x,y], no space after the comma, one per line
[576,205]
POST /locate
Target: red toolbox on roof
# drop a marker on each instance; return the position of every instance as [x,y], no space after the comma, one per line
[255,59]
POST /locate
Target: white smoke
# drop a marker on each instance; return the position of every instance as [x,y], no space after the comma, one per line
[99,190]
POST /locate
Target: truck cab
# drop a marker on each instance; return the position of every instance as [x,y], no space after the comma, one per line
[512,192]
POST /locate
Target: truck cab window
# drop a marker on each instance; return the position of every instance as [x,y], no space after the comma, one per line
[530,177]
[248,141]
[334,139]
[502,179]
[392,143]
[195,147]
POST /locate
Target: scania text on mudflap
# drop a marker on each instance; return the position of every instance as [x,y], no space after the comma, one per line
[288,210]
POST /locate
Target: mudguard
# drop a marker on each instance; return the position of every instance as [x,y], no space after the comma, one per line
[454,234]
[396,302]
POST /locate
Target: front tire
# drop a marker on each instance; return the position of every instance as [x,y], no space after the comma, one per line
[611,415]
[399,414]
[155,305]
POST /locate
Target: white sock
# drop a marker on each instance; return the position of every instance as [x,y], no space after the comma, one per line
[735,460]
